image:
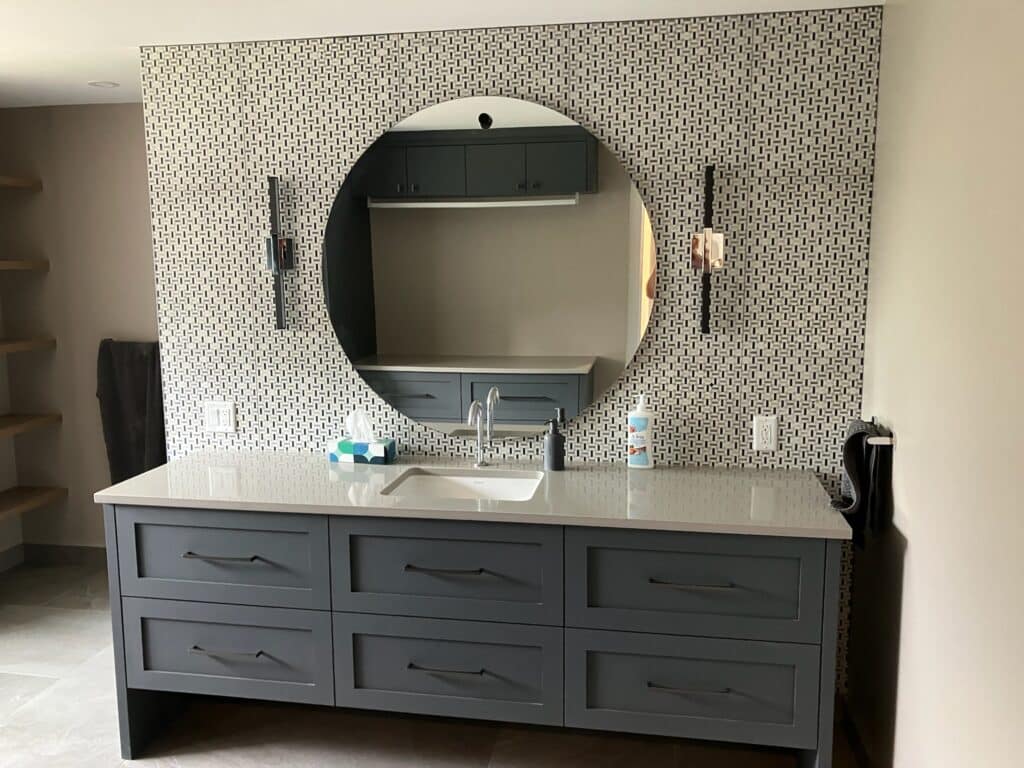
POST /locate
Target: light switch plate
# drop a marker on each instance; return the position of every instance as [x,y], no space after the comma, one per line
[766,433]
[219,416]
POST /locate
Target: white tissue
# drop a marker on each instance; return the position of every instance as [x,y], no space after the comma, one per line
[358,427]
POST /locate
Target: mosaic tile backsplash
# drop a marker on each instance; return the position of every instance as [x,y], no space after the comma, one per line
[783,105]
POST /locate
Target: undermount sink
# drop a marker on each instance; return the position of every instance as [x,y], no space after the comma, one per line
[474,484]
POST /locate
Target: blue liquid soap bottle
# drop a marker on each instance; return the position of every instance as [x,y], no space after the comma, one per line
[639,442]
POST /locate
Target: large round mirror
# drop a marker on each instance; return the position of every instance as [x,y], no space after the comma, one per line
[489,243]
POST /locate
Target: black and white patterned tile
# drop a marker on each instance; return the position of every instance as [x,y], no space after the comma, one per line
[783,104]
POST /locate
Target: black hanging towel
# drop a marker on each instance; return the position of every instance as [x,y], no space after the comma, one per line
[864,497]
[131,406]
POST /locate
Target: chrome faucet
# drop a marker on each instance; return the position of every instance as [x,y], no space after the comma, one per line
[475,418]
[493,398]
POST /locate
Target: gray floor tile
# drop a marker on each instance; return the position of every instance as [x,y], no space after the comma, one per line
[71,723]
[38,584]
[214,734]
[16,690]
[701,754]
[49,642]
[88,593]
[544,748]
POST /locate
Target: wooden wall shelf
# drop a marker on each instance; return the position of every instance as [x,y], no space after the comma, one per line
[19,423]
[10,346]
[25,498]
[24,265]
[19,182]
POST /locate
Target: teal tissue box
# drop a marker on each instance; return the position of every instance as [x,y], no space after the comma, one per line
[347,451]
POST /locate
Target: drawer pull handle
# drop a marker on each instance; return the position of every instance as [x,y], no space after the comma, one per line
[691,691]
[410,568]
[221,558]
[441,671]
[408,396]
[528,399]
[674,585]
[228,654]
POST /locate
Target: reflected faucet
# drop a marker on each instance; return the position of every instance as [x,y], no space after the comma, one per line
[475,418]
[493,398]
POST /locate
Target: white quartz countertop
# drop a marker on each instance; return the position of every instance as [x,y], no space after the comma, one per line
[737,501]
[477,364]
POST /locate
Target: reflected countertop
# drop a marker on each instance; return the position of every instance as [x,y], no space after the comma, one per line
[492,364]
[738,501]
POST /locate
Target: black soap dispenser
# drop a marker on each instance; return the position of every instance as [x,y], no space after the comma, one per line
[554,443]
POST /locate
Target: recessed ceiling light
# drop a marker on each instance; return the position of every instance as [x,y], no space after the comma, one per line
[104,84]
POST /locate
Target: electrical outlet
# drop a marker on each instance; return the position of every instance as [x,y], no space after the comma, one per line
[219,415]
[766,433]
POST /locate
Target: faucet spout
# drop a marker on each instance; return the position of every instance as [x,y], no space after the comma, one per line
[493,398]
[475,418]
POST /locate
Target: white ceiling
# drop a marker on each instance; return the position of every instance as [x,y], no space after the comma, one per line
[51,49]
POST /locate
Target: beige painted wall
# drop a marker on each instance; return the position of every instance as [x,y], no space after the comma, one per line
[944,369]
[92,222]
[509,281]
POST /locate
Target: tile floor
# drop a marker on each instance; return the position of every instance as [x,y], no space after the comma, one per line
[57,709]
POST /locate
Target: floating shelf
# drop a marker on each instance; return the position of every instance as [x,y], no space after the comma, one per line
[25,498]
[19,182]
[19,423]
[10,346]
[24,265]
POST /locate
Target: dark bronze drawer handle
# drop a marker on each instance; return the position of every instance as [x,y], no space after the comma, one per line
[221,558]
[410,568]
[674,585]
[439,671]
[527,399]
[409,396]
[691,691]
[227,654]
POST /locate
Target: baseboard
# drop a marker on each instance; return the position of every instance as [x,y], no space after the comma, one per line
[61,554]
[12,558]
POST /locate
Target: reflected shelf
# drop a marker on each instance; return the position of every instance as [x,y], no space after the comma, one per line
[11,346]
[25,498]
[19,423]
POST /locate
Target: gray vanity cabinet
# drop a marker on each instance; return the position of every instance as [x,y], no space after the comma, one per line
[530,398]
[695,584]
[473,669]
[556,167]
[430,396]
[455,570]
[698,635]
[495,170]
[727,690]
[526,398]
[243,558]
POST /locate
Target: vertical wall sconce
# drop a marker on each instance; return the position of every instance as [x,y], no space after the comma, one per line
[280,251]
[707,251]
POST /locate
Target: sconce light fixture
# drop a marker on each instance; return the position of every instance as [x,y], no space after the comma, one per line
[280,251]
[707,251]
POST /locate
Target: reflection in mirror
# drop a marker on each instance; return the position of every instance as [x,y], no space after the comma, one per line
[459,258]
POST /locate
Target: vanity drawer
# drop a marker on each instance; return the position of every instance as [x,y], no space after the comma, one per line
[725,690]
[525,398]
[419,395]
[455,668]
[756,587]
[228,650]
[489,572]
[248,558]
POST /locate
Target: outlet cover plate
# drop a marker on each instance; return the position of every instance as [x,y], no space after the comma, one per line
[219,416]
[766,433]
